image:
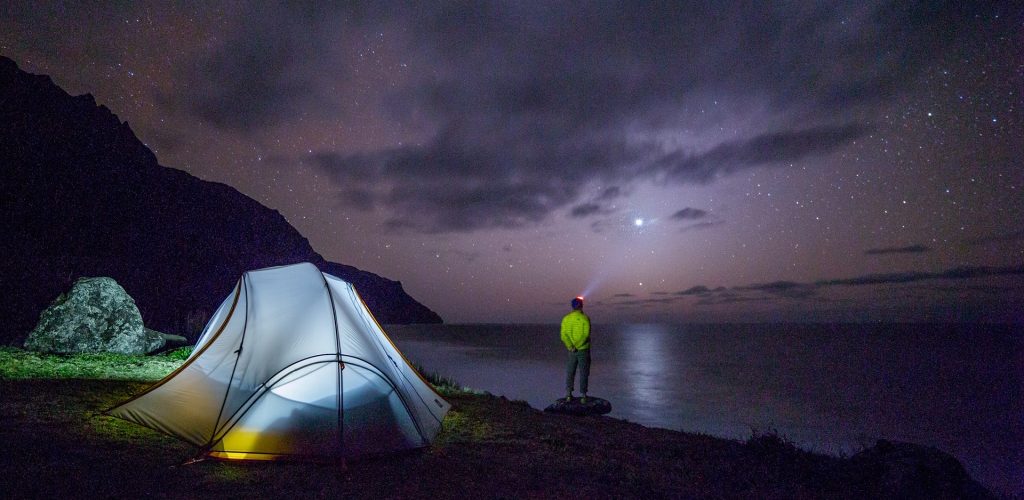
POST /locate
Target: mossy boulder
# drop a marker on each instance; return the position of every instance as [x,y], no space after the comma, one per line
[97,315]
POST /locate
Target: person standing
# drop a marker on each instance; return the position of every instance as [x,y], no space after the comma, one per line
[576,337]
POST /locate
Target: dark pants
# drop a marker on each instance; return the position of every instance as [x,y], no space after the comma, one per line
[581,359]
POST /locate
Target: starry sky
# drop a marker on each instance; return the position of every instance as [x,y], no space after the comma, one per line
[677,161]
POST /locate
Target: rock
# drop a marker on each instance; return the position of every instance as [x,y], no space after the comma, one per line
[172,339]
[910,470]
[593,406]
[97,315]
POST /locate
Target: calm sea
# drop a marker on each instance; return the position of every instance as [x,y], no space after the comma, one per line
[830,388]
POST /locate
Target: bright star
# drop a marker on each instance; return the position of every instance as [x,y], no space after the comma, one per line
[638,222]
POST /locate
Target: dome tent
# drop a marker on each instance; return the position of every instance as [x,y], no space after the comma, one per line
[292,365]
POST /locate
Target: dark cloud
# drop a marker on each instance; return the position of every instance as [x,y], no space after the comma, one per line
[907,249]
[804,291]
[689,213]
[645,302]
[586,209]
[610,193]
[528,107]
[963,272]
[599,204]
[516,108]
[956,273]
[766,149]
[253,79]
[451,185]
[728,298]
[782,289]
[701,225]
[695,290]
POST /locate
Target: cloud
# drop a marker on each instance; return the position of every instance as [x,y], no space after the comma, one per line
[907,249]
[765,149]
[610,193]
[644,302]
[587,209]
[728,298]
[962,272]
[500,115]
[787,289]
[689,213]
[695,290]
[956,273]
[776,291]
[790,290]
[255,77]
[701,225]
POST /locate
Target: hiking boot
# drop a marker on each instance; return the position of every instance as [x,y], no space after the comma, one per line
[568,399]
[583,400]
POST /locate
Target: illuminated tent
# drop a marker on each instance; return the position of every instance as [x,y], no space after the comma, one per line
[292,365]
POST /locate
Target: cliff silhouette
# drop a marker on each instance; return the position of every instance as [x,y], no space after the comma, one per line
[82,196]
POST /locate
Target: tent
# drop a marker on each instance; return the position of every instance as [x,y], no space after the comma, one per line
[292,365]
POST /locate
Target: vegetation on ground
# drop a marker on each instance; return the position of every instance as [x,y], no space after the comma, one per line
[18,363]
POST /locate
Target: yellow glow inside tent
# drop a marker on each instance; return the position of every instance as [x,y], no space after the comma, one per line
[244,439]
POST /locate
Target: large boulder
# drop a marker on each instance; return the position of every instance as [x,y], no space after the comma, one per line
[97,315]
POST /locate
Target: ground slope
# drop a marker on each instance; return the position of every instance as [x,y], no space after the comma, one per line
[57,444]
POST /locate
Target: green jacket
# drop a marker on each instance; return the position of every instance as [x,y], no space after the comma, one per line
[576,331]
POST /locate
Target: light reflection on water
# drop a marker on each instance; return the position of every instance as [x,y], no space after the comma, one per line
[832,388]
[643,376]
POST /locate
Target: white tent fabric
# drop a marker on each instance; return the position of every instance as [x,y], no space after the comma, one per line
[292,365]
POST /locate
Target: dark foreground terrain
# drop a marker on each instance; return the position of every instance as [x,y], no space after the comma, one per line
[57,444]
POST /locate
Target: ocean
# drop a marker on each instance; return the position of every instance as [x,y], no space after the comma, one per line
[833,388]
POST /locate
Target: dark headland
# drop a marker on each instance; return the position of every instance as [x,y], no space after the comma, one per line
[82,196]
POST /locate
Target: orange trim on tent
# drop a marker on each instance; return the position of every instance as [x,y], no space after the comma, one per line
[238,293]
[399,351]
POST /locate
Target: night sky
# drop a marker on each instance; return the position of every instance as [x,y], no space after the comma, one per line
[687,161]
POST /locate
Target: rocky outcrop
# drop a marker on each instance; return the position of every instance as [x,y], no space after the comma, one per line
[82,196]
[577,406]
[907,470]
[97,315]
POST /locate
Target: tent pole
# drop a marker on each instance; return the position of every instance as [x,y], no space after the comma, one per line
[340,398]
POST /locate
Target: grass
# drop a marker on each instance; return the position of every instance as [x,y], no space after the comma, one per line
[18,363]
[57,443]
[445,385]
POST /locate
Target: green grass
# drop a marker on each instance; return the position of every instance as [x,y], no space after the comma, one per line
[444,384]
[18,363]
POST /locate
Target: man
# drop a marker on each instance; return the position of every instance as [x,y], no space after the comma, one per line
[576,337]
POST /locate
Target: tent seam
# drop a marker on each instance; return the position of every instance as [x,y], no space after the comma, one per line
[192,359]
[238,356]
